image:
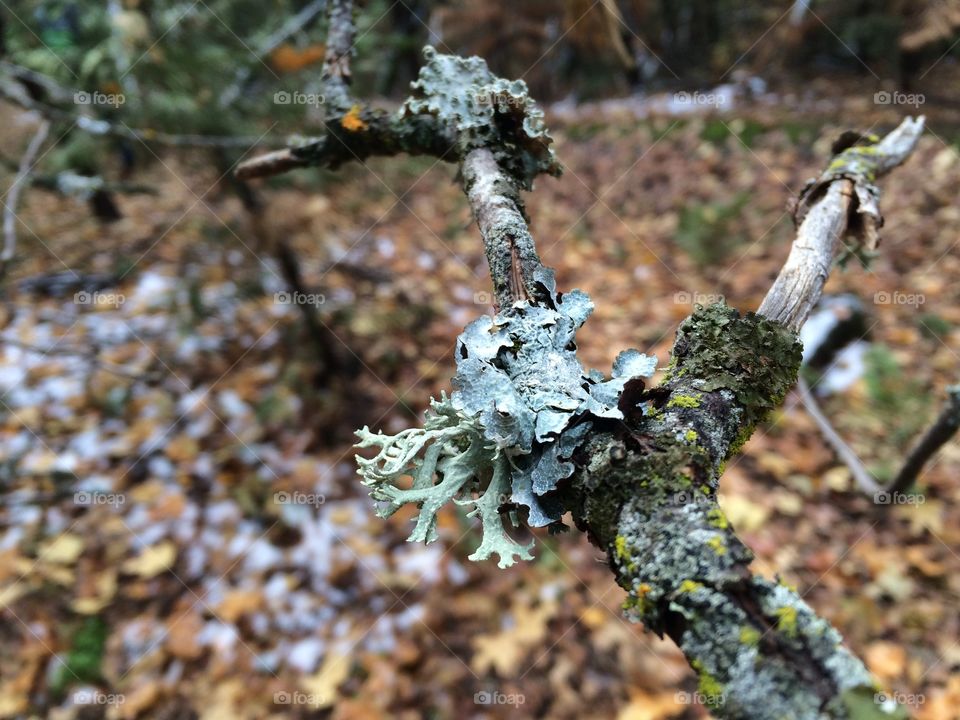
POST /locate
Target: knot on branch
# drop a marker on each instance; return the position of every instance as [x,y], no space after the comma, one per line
[480,109]
[523,405]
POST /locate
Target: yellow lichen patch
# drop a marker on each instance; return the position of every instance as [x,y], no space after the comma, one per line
[716,518]
[621,547]
[749,636]
[717,545]
[691,436]
[690,586]
[684,401]
[787,620]
[352,121]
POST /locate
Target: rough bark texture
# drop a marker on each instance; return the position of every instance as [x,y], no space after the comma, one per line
[495,199]
[336,63]
[356,136]
[648,497]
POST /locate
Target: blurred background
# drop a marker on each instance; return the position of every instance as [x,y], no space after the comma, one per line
[184,357]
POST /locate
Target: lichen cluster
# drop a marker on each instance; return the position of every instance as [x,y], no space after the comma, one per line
[482,110]
[522,405]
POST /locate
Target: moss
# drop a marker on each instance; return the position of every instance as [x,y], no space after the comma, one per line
[684,401]
[755,358]
[787,620]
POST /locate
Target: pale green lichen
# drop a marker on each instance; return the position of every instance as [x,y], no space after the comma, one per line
[522,406]
[482,110]
[684,401]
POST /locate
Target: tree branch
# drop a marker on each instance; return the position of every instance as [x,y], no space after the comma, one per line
[356,136]
[939,433]
[647,493]
[13,196]
[336,64]
[495,199]
[841,191]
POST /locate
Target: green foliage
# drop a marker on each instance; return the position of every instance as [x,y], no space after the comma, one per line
[707,231]
[84,659]
[896,398]
[933,326]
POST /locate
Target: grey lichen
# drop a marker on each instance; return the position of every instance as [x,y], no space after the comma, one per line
[483,110]
[522,406]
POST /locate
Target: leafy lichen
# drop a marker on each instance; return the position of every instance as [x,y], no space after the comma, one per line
[482,110]
[522,406]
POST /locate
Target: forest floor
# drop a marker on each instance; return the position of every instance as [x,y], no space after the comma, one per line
[183,533]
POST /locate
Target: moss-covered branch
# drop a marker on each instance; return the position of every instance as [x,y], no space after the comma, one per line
[647,495]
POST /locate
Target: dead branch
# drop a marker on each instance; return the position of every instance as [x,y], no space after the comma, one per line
[13,196]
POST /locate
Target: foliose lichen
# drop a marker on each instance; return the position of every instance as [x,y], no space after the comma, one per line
[483,110]
[521,407]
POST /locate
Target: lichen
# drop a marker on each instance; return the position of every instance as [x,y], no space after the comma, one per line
[749,636]
[523,404]
[684,401]
[717,544]
[718,519]
[787,620]
[483,110]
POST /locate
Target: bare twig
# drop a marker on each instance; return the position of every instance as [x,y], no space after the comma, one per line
[495,200]
[13,196]
[799,285]
[293,25]
[336,64]
[944,428]
[13,91]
